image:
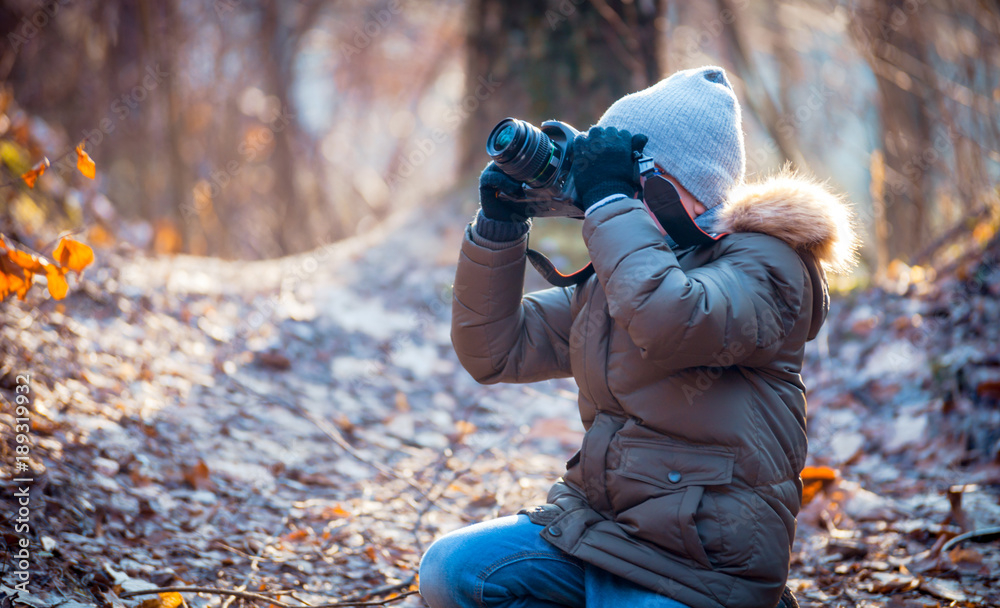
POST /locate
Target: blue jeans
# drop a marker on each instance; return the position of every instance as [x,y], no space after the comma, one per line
[506,563]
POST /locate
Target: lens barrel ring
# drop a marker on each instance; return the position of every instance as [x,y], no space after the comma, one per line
[522,151]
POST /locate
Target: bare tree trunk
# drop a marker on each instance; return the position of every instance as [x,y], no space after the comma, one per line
[180,178]
[286,200]
[302,225]
[757,96]
[567,60]
[905,127]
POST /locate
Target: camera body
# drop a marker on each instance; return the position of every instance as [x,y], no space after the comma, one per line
[540,159]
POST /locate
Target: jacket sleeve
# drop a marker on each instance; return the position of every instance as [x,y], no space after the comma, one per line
[498,335]
[736,310]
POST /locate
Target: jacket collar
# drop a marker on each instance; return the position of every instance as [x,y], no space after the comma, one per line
[706,221]
[804,213]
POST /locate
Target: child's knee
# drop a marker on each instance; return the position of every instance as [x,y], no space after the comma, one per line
[440,570]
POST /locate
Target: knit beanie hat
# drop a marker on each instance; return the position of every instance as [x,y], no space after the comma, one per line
[695,130]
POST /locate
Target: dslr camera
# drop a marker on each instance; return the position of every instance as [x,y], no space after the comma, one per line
[540,158]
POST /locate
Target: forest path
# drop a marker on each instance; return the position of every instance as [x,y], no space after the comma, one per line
[300,422]
[303,423]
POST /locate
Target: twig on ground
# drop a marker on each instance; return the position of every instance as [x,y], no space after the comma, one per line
[247,595]
[254,560]
[335,435]
[379,591]
[292,595]
[263,598]
[981,536]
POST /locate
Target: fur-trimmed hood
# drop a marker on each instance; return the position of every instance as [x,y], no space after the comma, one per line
[800,211]
[805,214]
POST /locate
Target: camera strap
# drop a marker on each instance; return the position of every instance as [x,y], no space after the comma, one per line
[665,203]
[548,270]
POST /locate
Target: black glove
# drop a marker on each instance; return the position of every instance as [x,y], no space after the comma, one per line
[492,183]
[603,164]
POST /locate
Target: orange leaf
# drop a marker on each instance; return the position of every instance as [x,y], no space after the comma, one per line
[335,512]
[814,480]
[295,535]
[4,286]
[819,474]
[463,428]
[73,255]
[57,281]
[25,260]
[84,163]
[809,491]
[197,476]
[100,236]
[166,237]
[17,278]
[170,599]
[30,177]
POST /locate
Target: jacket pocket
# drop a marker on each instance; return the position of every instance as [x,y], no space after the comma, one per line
[657,487]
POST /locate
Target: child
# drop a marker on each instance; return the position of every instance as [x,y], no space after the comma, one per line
[686,487]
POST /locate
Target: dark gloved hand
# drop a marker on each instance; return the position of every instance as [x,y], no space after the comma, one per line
[492,183]
[603,164]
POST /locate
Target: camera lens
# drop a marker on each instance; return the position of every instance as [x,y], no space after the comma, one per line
[522,151]
[505,137]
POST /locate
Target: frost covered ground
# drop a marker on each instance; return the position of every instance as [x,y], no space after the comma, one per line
[302,425]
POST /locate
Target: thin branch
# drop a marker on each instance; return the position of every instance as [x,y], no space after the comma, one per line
[382,590]
[261,598]
[329,431]
[252,558]
[961,227]
[291,594]
[17,178]
[623,42]
[980,536]
[369,603]
[247,595]
[758,98]
[337,437]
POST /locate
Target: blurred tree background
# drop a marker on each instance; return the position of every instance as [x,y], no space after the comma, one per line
[259,128]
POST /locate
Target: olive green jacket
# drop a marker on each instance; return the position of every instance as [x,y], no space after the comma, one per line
[688,365]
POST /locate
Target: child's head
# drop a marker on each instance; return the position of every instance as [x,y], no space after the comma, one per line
[695,130]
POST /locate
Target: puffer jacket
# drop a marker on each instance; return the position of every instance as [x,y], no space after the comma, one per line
[688,363]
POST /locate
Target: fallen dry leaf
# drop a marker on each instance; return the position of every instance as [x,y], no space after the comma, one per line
[197,476]
[31,176]
[73,255]
[84,163]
